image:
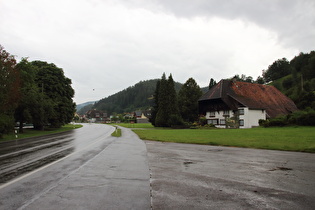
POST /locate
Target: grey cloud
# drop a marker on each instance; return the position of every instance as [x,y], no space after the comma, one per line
[292,20]
[108,45]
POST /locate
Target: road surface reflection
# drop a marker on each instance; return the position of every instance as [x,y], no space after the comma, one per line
[18,157]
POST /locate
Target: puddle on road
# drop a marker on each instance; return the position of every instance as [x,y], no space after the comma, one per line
[281,169]
[187,163]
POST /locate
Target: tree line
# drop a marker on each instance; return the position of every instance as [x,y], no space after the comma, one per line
[34,92]
[171,109]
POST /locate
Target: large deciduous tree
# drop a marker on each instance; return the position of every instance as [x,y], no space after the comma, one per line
[29,101]
[188,97]
[56,104]
[9,90]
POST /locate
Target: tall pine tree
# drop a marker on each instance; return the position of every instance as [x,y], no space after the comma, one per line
[174,117]
[167,112]
[156,103]
[162,112]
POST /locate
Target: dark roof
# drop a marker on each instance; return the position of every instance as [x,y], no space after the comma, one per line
[253,96]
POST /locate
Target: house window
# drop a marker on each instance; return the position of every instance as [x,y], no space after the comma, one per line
[213,121]
[212,114]
[222,121]
[241,111]
[226,113]
[241,122]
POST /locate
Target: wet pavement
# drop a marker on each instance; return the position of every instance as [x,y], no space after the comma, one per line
[89,169]
[21,156]
[102,172]
[185,176]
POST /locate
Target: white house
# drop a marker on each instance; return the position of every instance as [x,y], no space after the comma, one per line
[230,101]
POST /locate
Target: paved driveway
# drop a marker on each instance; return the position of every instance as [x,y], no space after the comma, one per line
[185,176]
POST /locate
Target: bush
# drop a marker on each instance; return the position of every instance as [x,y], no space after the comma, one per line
[305,118]
[279,121]
[203,120]
[175,120]
[209,126]
[262,122]
[6,124]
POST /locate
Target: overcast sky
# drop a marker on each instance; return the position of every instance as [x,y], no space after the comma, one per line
[109,45]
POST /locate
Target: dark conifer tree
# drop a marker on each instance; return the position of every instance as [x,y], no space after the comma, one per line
[173,110]
[162,112]
[156,103]
[188,97]
[167,107]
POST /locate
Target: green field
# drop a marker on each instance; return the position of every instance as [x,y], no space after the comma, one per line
[280,138]
[31,132]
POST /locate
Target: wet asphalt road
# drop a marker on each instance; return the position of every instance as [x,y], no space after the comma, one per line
[187,176]
[98,171]
[89,169]
[22,156]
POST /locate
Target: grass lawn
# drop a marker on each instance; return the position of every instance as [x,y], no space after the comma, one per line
[31,132]
[280,138]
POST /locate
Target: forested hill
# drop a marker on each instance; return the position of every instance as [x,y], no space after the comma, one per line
[295,78]
[139,96]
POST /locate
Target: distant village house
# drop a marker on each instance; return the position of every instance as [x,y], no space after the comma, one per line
[142,116]
[95,116]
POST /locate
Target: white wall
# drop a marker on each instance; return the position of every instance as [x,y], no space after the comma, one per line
[219,115]
[251,117]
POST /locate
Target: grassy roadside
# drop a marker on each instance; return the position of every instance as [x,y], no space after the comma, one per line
[117,132]
[135,125]
[281,138]
[32,133]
